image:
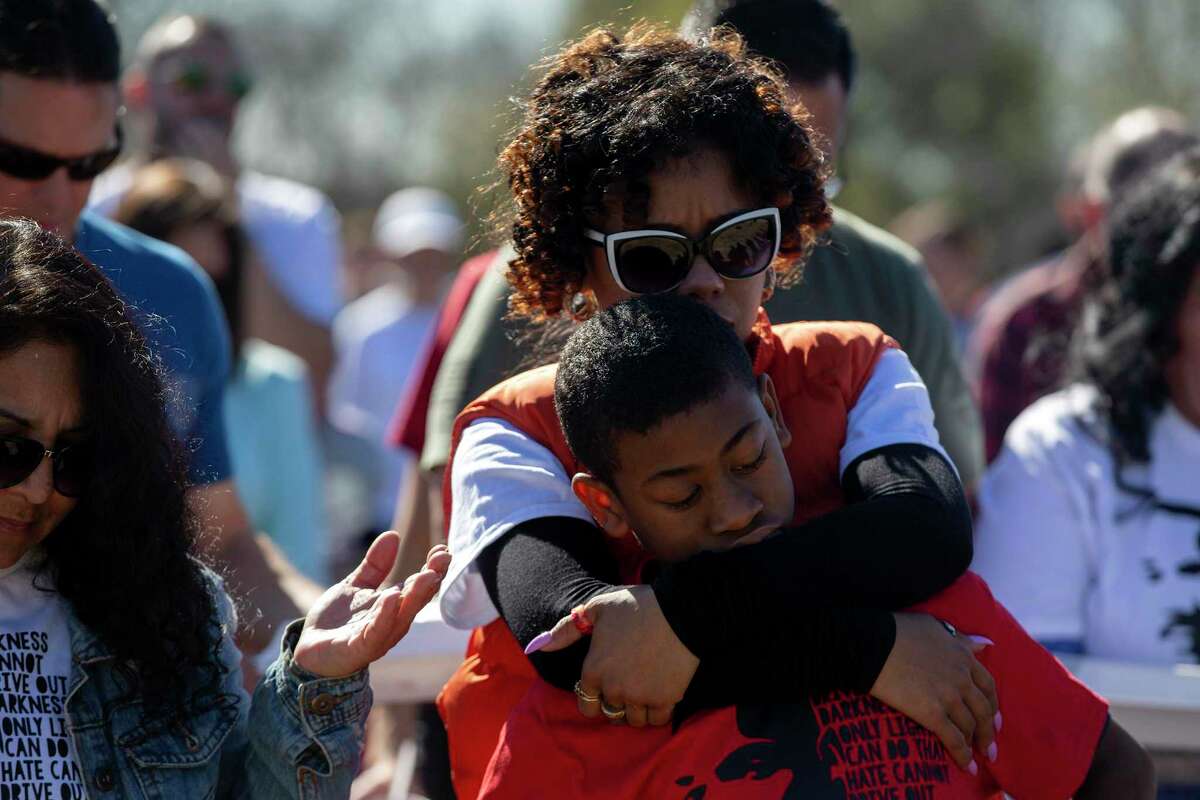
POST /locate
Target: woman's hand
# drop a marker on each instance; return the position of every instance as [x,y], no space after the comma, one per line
[635,664]
[933,678]
[354,622]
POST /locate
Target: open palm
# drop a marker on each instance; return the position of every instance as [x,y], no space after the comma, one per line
[355,622]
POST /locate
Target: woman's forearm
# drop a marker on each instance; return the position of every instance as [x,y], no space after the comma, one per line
[537,573]
[818,650]
[804,606]
[907,537]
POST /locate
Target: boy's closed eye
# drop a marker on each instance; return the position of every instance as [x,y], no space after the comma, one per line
[685,503]
[738,467]
[747,469]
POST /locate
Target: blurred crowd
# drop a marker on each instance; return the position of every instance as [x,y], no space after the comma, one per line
[1066,392]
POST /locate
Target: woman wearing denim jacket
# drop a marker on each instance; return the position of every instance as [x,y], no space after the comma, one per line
[118,672]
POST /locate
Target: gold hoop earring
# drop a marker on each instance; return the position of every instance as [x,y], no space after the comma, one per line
[769,286]
[581,305]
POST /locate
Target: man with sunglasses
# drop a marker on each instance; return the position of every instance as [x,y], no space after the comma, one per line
[187,81]
[59,127]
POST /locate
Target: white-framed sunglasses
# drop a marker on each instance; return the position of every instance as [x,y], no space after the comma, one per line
[651,261]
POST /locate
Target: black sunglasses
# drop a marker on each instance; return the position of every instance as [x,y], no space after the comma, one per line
[33,165]
[20,456]
[652,261]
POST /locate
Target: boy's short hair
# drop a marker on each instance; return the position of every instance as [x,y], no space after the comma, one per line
[633,365]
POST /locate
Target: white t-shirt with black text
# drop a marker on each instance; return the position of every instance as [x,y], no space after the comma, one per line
[37,755]
[1080,560]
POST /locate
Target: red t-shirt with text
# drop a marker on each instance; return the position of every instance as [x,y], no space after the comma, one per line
[846,746]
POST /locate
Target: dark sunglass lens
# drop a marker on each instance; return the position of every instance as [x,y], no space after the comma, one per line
[87,168]
[19,457]
[652,264]
[27,165]
[72,468]
[744,249]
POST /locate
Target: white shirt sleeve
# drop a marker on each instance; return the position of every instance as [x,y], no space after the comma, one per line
[1032,544]
[297,233]
[893,408]
[500,478]
[344,384]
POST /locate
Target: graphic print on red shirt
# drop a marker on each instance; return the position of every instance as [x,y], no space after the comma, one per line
[842,746]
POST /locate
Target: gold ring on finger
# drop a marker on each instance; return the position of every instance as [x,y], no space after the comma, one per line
[613,714]
[584,696]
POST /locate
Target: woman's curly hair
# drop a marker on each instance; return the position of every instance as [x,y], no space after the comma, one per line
[1131,332]
[122,557]
[612,108]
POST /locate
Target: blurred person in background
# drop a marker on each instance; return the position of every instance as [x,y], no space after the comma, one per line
[186,83]
[1018,351]
[268,402]
[952,249]
[419,514]
[385,341]
[59,104]
[379,337]
[1089,517]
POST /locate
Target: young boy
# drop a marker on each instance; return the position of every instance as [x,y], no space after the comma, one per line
[684,450]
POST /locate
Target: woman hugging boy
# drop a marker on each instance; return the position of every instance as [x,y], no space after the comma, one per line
[682,448]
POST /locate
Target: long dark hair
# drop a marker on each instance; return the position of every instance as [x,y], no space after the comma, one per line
[1131,331]
[122,557]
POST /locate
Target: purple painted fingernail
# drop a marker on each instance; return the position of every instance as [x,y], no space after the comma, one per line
[973,768]
[539,641]
[983,640]
[998,722]
[993,752]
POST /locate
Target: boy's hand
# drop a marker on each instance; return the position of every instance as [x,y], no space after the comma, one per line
[636,669]
[932,677]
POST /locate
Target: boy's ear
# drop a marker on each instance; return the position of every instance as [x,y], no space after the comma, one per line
[770,401]
[602,503]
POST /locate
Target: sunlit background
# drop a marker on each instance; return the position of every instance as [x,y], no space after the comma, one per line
[977,104]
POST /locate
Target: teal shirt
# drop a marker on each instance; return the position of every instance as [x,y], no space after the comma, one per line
[176,306]
[273,445]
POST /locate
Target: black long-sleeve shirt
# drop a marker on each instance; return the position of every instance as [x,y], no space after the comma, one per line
[809,610]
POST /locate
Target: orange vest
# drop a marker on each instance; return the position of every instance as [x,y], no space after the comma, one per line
[819,369]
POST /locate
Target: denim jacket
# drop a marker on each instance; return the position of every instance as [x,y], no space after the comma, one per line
[300,737]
